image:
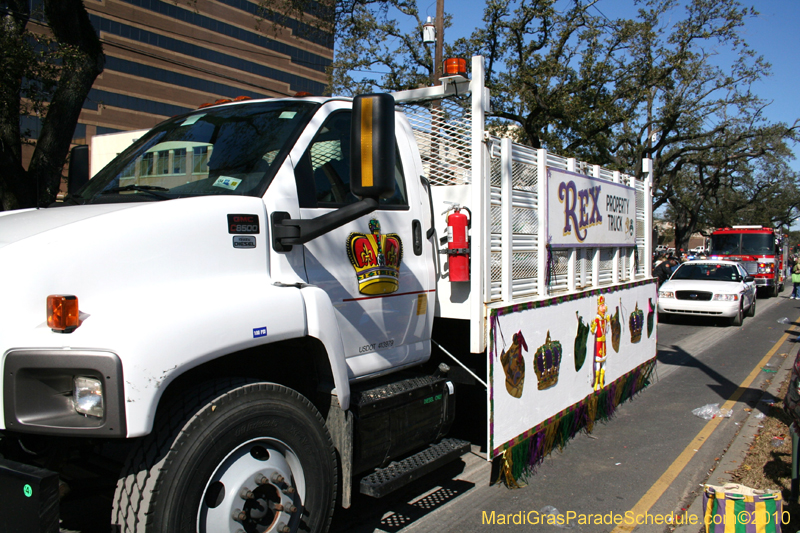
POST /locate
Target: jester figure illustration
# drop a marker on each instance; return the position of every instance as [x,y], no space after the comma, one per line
[514,365]
[600,326]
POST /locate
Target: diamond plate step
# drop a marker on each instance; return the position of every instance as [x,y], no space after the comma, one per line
[398,474]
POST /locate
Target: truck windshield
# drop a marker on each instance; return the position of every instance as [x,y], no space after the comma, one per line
[742,244]
[226,150]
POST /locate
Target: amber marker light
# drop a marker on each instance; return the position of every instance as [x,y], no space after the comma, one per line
[455,67]
[62,313]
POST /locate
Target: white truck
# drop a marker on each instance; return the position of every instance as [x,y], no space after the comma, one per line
[246,310]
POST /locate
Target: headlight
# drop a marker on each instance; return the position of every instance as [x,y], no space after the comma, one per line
[666,294]
[766,268]
[88,396]
[726,297]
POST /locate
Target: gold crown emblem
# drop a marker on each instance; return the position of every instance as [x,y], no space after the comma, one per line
[636,322]
[376,259]
[547,363]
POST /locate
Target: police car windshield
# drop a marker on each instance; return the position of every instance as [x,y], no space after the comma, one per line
[225,150]
[707,272]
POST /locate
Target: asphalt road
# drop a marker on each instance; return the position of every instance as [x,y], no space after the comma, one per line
[633,455]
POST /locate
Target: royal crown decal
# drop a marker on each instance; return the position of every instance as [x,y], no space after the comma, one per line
[376,259]
[547,363]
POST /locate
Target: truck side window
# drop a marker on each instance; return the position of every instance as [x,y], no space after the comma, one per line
[323,173]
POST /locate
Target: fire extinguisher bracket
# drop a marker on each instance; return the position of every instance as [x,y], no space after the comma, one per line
[454,251]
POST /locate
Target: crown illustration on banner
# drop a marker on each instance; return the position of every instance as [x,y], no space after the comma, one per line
[547,363]
[376,259]
[636,322]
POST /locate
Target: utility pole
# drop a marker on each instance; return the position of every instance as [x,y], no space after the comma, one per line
[438,59]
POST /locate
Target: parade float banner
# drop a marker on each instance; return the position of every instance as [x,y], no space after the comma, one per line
[558,365]
[585,211]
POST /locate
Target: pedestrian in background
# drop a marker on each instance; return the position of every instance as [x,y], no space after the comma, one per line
[796,281]
[664,270]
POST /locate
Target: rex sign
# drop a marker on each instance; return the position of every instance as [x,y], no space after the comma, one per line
[586,211]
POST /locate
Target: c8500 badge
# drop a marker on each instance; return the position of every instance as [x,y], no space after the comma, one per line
[243,224]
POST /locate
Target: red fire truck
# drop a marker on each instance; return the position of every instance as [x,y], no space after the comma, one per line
[760,249]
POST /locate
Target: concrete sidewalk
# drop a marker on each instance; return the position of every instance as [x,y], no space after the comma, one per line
[733,456]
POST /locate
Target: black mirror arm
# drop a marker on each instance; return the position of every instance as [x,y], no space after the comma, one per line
[287,232]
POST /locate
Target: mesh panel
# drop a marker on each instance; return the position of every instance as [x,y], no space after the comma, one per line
[524,176]
[559,269]
[588,264]
[524,265]
[524,221]
[496,171]
[606,262]
[624,255]
[324,152]
[444,137]
[496,221]
[496,266]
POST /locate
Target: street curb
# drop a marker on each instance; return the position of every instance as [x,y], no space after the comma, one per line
[736,452]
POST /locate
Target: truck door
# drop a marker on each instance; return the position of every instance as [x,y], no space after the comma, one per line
[378,269]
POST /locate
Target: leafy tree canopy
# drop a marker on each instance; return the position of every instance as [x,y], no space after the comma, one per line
[673,82]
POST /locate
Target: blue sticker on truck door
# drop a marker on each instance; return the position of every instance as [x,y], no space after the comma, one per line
[259,332]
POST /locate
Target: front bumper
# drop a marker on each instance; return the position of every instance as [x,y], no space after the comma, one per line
[698,308]
[28,498]
[37,392]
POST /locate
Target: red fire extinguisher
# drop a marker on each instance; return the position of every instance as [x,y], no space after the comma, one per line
[458,242]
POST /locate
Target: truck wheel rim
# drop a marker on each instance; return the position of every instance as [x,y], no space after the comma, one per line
[259,487]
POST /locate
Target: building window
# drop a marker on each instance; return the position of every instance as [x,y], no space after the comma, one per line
[146,168]
[200,160]
[179,161]
[162,162]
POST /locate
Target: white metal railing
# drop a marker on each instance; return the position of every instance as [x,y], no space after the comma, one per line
[511,258]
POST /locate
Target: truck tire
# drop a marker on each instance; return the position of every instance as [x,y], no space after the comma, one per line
[233,457]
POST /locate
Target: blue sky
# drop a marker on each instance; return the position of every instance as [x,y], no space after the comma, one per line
[774,34]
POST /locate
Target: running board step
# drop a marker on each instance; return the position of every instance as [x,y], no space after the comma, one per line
[398,474]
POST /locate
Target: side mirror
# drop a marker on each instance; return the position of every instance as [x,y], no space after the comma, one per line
[372,141]
[749,279]
[78,174]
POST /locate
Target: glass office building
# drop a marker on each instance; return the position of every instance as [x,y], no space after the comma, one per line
[164,58]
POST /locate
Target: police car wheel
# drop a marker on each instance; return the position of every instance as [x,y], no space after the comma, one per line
[252,457]
[737,320]
[751,311]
